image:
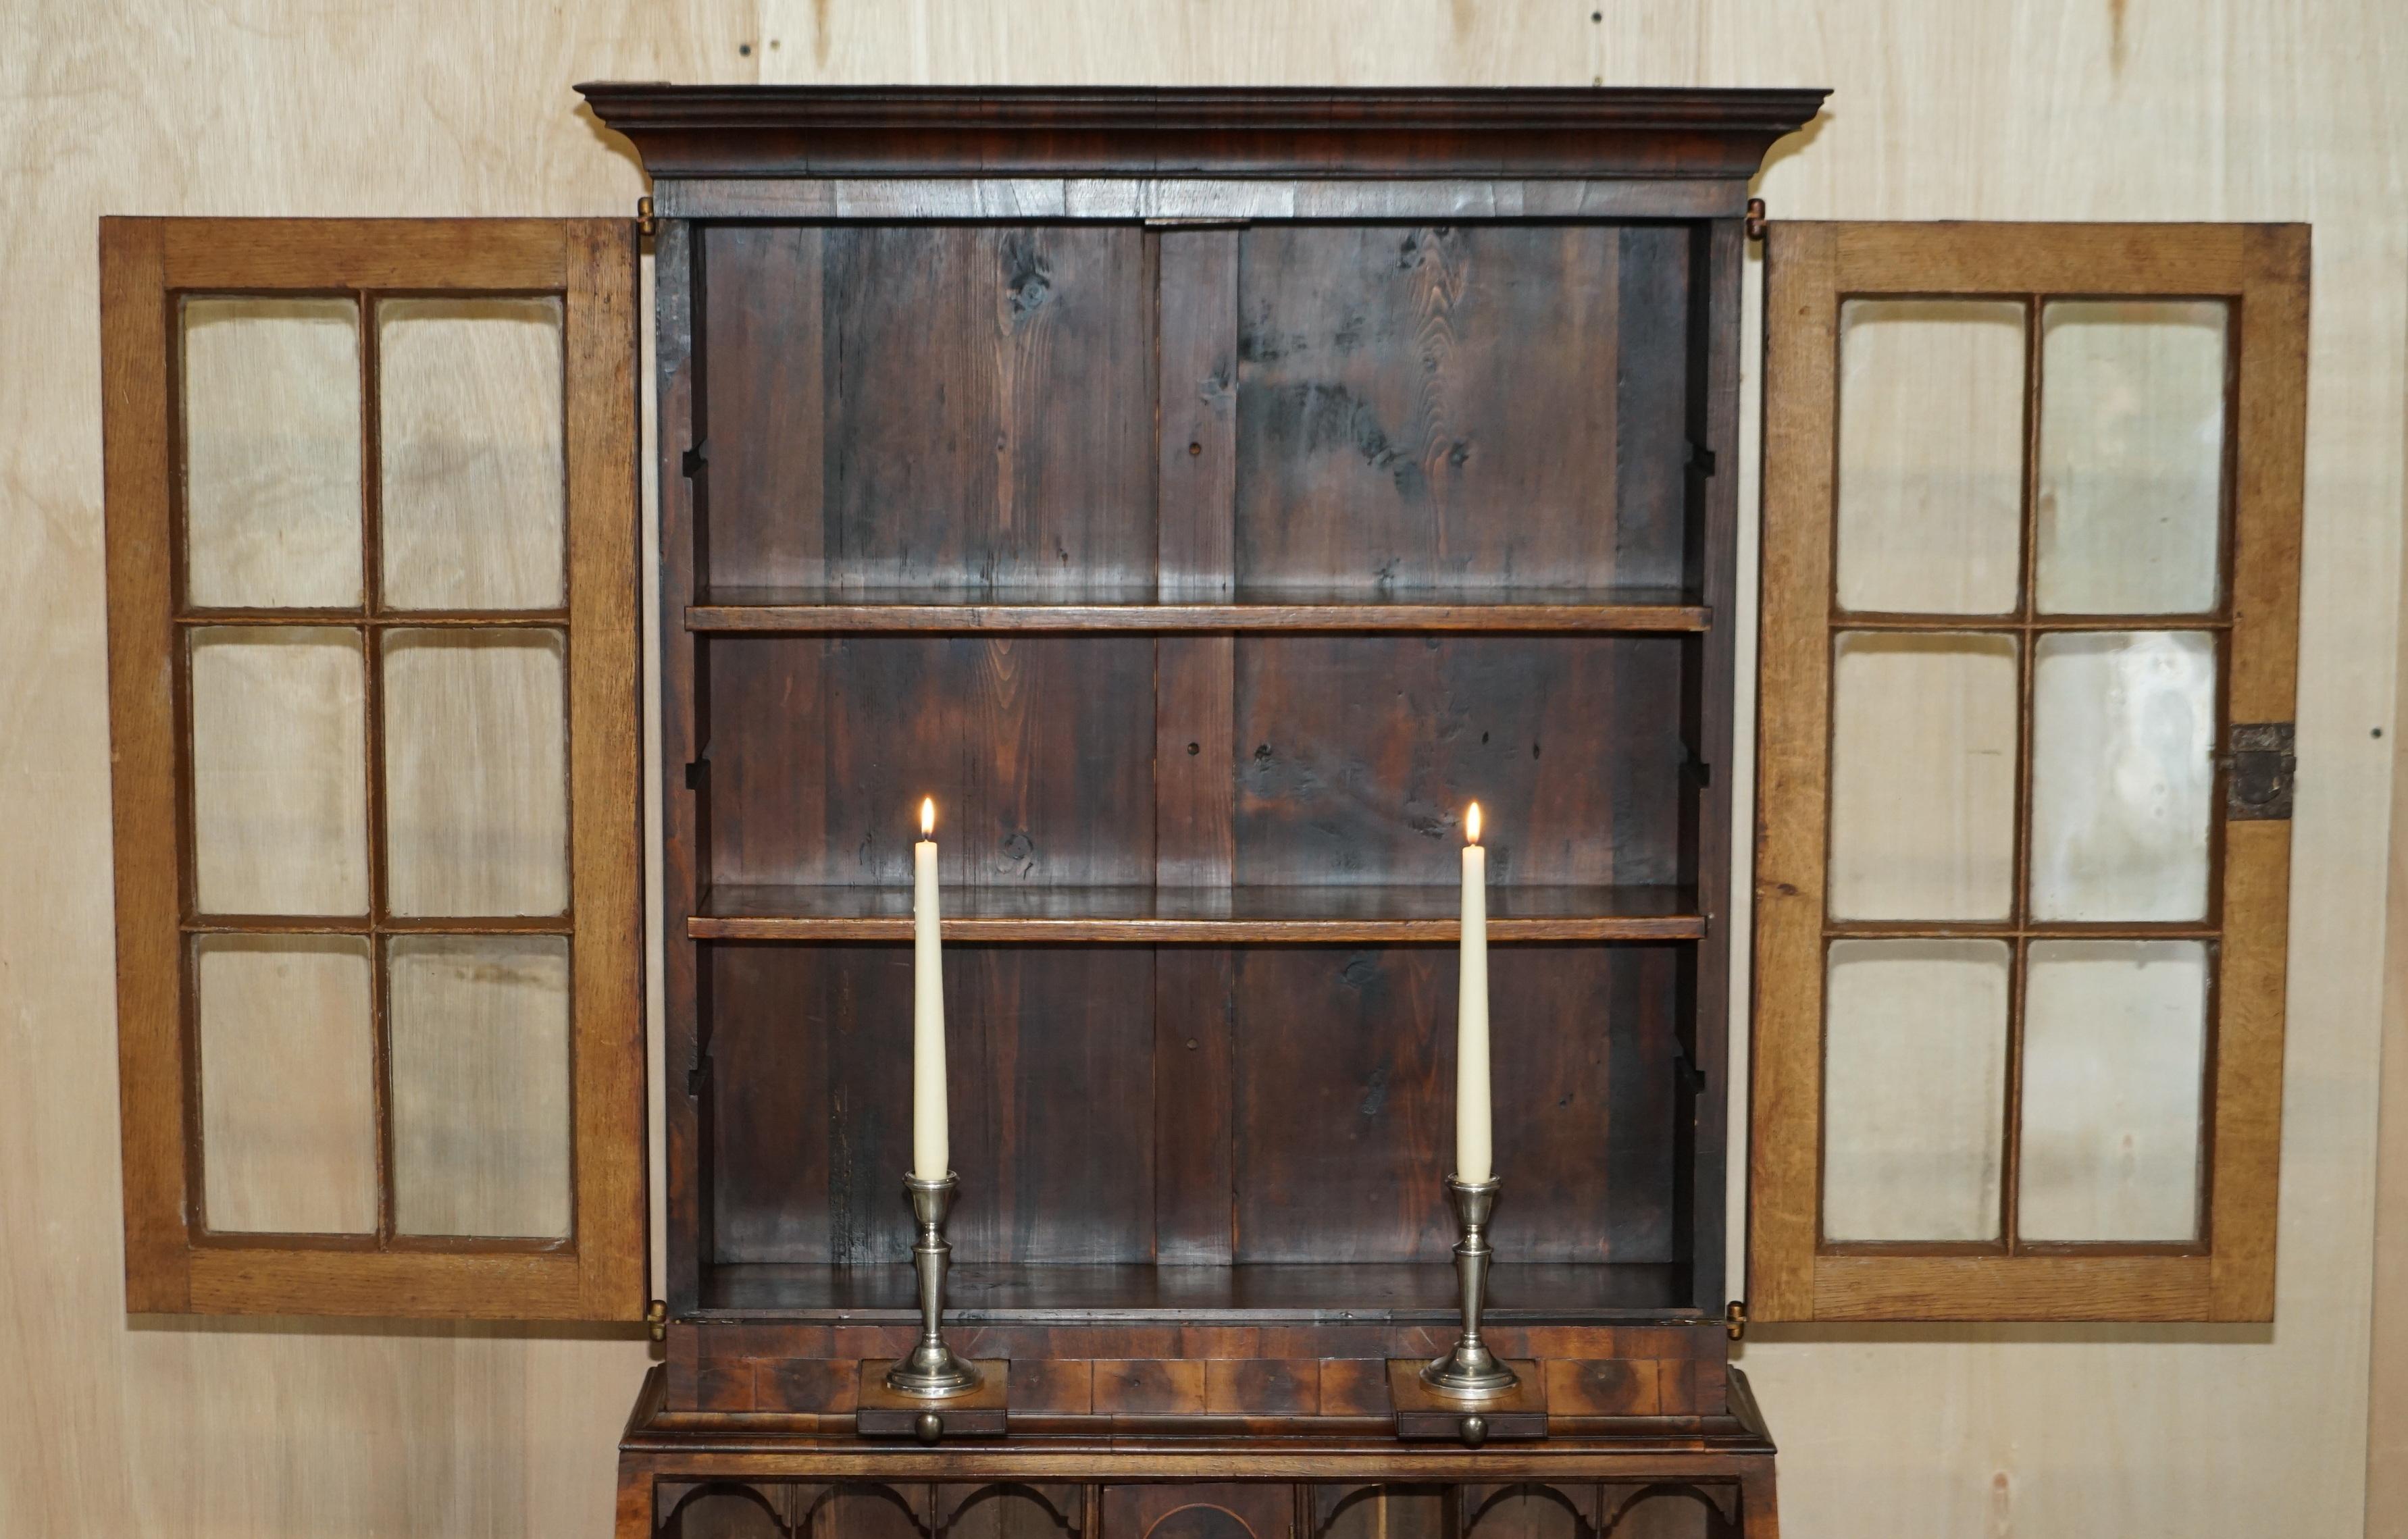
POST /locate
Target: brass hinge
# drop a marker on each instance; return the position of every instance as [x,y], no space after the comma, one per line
[646,225]
[1735,1319]
[2258,772]
[1755,222]
[656,1314]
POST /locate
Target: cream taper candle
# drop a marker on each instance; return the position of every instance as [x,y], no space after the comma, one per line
[1474,1157]
[931,1153]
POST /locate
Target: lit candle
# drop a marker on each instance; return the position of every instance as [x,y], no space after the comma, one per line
[1473,1155]
[931,1157]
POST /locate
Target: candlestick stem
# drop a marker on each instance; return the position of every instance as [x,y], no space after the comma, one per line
[932,1371]
[1471,1370]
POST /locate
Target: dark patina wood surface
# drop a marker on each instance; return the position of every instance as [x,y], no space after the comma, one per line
[1202,495]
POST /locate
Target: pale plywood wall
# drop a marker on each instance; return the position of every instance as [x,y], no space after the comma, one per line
[1980,108]
[169,1428]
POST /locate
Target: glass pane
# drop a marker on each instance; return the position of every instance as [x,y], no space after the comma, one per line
[280,779]
[469,431]
[271,453]
[2132,455]
[2123,735]
[1914,1063]
[1923,777]
[288,1084]
[476,772]
[481,1085]
[2114,1056]
[1931,455]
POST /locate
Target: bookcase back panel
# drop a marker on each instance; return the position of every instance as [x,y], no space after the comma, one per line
[1351,759]
[927,405]
[1337,1105]
[1343,1096]
[1037,750]
[1356,755]
[1467,407]
[1089,531]
[1049,1063]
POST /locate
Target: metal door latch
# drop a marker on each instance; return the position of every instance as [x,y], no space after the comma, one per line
[2258,772]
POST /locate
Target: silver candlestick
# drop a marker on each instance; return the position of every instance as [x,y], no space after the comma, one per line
[1471,1370]
[932,1371]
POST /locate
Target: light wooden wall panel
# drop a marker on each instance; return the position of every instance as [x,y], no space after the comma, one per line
[1980,108]
[112,1427]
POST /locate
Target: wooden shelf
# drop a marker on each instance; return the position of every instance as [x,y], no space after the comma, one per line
[1141,607]
[1319,1293]
[1223,916]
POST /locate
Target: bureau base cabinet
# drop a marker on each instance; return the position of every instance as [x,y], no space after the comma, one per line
[1263,1477]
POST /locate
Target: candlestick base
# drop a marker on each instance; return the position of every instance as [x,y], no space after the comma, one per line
[1469,1371]
[932,1372]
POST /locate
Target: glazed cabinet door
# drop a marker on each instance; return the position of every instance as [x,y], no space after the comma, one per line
[2031,526]
[372,587]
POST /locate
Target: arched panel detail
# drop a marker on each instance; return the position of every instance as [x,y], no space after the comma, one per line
[1345,1506]
[1384,1510]
[1202,1521]
[1006,1509]
[1672,1510]
[1527,1510]
[725,1510]
[883,1513]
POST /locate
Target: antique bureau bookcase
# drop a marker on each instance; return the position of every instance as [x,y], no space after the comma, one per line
[1203,495]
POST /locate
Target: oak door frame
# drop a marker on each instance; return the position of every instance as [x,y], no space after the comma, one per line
[1810,270]
[146,264]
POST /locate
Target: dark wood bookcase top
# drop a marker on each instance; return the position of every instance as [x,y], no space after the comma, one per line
[703,131]
[1203,495]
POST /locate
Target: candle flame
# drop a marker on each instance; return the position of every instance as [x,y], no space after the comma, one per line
[928,816]
[1472,824]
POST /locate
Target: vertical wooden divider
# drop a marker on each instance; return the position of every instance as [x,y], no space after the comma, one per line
[684,799]
[1718,255]
[1194,764]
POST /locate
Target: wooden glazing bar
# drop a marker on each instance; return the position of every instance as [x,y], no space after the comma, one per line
[2026,670]
[391,620]
[2031,624]
[417,924]
[428,1243]
[371,602]
[2011,930]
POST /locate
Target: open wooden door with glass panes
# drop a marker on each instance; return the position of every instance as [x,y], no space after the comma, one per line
[2031,499]
[373,574]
